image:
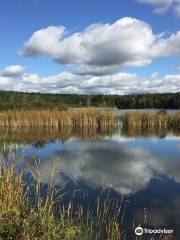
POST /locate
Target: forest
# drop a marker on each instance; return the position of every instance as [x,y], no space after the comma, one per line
[10,100]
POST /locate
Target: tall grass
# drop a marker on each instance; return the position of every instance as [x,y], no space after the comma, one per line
[94,118]
[151,120]
[11,184]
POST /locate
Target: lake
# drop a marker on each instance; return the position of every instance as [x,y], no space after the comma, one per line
[143,169]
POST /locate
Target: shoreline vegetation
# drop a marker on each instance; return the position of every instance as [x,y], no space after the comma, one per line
[92,118]
[42,126]
[151,121]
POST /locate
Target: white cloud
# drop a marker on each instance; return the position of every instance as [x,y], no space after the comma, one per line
[178,68]
[66,82]
[103,48]
[172,79]
[167,47]
[10,76]
[44,41]
[13,71]
[161,6]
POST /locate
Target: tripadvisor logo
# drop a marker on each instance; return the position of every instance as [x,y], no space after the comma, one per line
[139,231]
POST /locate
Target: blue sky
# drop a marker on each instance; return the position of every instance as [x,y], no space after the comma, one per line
[133,46]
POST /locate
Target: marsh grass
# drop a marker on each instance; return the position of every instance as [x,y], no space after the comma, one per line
[11,184]
[93,118]
[151,121]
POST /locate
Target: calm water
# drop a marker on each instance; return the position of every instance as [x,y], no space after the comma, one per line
[145,170]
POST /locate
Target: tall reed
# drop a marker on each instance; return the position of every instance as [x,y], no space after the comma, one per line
[151,120]
[58,119]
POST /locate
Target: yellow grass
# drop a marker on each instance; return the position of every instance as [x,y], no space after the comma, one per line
[94,118]
[151,120]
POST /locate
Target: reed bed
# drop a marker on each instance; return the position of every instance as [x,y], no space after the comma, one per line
[94,118]
[151,120]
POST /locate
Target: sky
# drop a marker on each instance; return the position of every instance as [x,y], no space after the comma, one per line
[90,47]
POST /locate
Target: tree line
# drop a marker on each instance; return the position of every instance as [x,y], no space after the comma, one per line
[10,100]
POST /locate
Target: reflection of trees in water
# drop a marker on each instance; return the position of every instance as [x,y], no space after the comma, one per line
[41,136]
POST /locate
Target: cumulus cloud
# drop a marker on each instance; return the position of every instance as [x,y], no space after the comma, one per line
[67,82]
[103,48]
[11,76]
[161,6]
[13,71]
[44,41]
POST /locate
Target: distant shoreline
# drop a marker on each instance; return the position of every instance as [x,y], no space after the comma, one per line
[18,100]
